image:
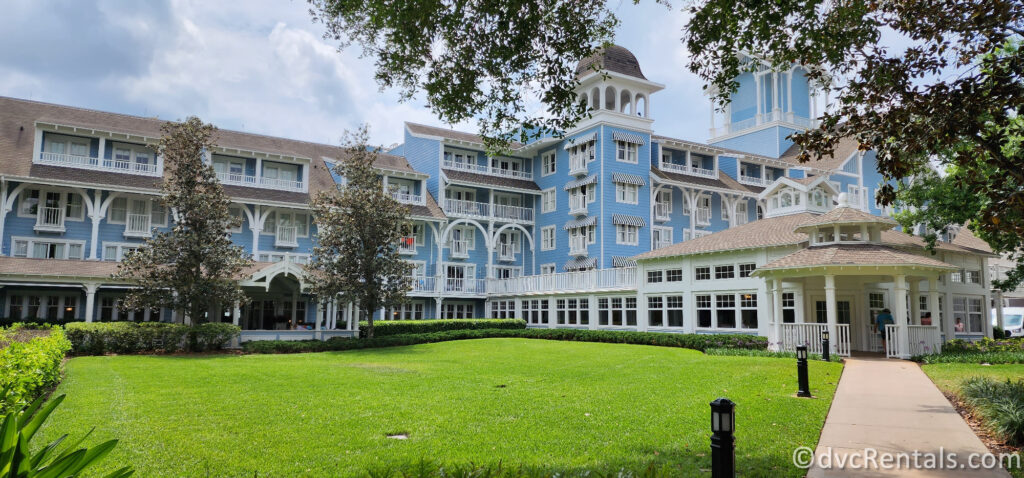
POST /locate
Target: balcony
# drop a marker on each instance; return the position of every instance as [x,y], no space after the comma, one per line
[754,181]
[623,278]
[578,204]
[577,166]
[465,286]
[423,284]
[239,179]
[49,219]
[488,170]
[762,118]
[137,226]
[506,253]
[482,210]
[460,249]
[407,198]
[513,213]
[98,164]
[662,243]
[691,170]
[703,216]
[287,236]
[577,245]
[407,246]
[662,211]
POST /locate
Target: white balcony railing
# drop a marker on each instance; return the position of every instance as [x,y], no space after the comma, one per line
[488,170]
[423,284]
[137,225]
[577,245]
[287,236]
[577,166]
[623,278]
[281,184]
[240,179]
[465,286]
[662,211]
[513,213]
[810,335]
[460,249]
[97,164]
[662,243]
[753,181]
[50,219]
[407,246]
[459,207]
[703,216]
[691,170]
[506,252]
[577,204]
[407,198]
[236,179]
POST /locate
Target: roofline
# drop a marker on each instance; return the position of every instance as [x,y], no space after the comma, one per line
[621,76]
[760,271]
[707,188]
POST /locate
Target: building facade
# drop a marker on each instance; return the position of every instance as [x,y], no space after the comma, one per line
[550,233]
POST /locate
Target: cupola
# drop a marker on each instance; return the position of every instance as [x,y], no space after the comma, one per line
[845,225]
[615,89]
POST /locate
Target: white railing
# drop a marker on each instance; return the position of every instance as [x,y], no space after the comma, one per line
[622,278]
[513,213]
[407,245]
[810,335]
[921,339]
[662,211]
[459,207]
[281,184]
[751,180]
[50,219]
[703,216]
[577,204]
[577,166]
[137,225]
[287,236]
[577,245]
[661,244]
[485,169]
[460,249]
[506,252]
[407,198]
[423,283]
[691,170]
[466,286]
[97,164]
[236,179]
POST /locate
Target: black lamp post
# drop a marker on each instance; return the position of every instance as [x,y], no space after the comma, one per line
[803,389]
[723,449]
[825,345]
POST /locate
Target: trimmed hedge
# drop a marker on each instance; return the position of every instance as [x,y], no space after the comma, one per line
[689,341]
[98,338]
[9,321]
[29,368]
[402,327]
[767,353]
[985,350]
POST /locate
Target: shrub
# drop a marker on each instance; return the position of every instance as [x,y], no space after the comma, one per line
[98,338]
[767,353]
[689,341]
[401,327]
[985,350]
[29,368]
[9,321]
[1000,404]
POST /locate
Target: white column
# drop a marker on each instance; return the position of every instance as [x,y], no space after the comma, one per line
[295,302]
[236,313]
[4,209]
[915,302]
[777,314]
[831,311]
[933,302]
[693,213]
[999,309]
[255,227]
[902,332]
[90,301]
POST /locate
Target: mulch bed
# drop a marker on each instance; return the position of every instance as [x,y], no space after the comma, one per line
[993,443]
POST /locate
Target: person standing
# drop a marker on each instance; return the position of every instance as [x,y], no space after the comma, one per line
[881,320]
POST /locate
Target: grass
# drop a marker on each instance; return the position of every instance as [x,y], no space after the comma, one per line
[562,406]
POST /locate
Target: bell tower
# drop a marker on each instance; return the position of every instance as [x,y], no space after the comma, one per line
[615,89]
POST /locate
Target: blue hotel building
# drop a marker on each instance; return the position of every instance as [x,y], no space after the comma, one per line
[552,227]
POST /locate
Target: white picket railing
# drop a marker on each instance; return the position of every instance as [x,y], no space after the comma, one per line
[577,204]
[810,335]
[281,184]
[97,164]
[407,245]
[577,165]
[662,243]
[460,249]
[407,198]
[423,283]
[236,179]
[622,278]
[921,339]
[50,219]
[703,216]
[459,207]
[465,286]
[662,211]
[485,169]
[577,245]
[754,181]
[513,213]
[691,170]
[287,236]
[137,225]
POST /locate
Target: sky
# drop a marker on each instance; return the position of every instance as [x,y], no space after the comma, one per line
[262,66]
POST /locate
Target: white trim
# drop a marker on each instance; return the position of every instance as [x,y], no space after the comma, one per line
[32,240]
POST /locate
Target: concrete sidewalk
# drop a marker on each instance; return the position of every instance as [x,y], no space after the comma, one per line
[891,406]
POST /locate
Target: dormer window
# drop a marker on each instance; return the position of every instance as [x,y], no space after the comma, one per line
[97,154]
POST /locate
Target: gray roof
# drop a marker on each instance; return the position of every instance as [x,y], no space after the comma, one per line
[490,181]
[613,58]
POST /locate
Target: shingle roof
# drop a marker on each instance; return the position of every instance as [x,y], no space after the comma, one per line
[845,148]
[488,180]
[613,58]
[73,269]
[852,254]
[17,123]
[424,130]
[724,181]
[769,232]
[846,215]
[431,209]
[966,238]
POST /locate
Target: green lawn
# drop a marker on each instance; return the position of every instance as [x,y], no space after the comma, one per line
[947,376]
[538,403]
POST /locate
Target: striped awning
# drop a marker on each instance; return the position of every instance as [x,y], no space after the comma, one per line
[580,140]
[581,222]
[628,220]
[628,138]
[581,182]
[581,263]
[619,261]
[627,179]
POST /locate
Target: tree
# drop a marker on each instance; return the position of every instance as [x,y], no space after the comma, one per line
[195,265]
[359,228]
[950,93]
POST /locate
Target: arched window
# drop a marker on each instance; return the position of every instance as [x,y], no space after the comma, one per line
[640,104]
[584,100]
[625,101]
[609,98]
[786,199]
[819,198]
[595,98]
[760,213]
[796,198]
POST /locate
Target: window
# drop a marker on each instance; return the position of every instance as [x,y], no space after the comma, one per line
[788,307]
[956,277]
[702,273]
[972,277]
[547,238]
[536,311]
[748,311]
[627,193]
[43,306]
[746,269]
[967,315]
[29,202]
[158,214]
[742,216]
[74,209]
[725,311]
[655,314]
[16,307]
[503,309]
[626,234]
[547,269]
[674,309]
[278,219]
[115,251]
[661,236]
[725,272]
[458,311]
[654,277]
[820,312]
[664,202]
[548,200]
[410,311]
[617,311]
[665,311]
[674,275]
[876,300]
[572,311]
[548,164]
[626,152]
[118,211]
[703,311]
[238,216]
[37,248]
